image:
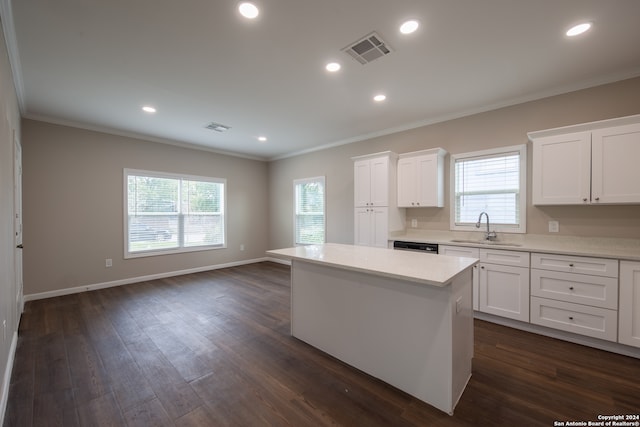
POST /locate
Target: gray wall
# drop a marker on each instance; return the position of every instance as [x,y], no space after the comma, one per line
[9,123]
[73,206]
[502,127]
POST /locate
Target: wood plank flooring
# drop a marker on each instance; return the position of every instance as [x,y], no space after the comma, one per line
[213,349]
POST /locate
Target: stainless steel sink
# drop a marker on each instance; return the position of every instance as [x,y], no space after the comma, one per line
[486,242]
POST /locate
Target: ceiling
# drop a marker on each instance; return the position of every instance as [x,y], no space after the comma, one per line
[95,63]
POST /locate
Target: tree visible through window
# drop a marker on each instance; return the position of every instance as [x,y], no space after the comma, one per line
[309,214]
[491,181]
[172,213]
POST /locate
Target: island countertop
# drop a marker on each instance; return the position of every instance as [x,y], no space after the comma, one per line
[404,265]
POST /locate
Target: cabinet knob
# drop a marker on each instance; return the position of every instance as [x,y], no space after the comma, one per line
[418,203]
[571,265]
[597,199]
[570,317]
[412,203]
[482,267]
[584,200]
[570,288]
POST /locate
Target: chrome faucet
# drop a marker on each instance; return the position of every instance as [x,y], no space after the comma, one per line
[490,235]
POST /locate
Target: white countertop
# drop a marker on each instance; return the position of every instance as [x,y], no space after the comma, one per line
[404,265]
[617,248]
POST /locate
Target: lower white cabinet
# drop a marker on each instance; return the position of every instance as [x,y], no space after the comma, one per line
[629,310]
[575,294]
[371,226]
[504,283]
[468,253]
[577,318]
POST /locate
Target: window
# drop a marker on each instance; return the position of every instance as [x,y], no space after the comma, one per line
[167,213]
[491,181]
[309,217]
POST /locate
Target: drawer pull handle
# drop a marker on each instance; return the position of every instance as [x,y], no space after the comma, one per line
[570,317]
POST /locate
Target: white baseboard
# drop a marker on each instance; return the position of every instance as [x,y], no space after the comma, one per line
[95,286]
[4,391]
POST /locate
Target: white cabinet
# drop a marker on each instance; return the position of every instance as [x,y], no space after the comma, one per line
[468,253]
[575,294]
[504,283]
[614,164]
[376,211]
[371,226]
[371,181]
[421,178]
[592,163]
[629,311]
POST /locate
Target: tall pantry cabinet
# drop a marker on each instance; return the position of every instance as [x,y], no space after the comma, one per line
[376,208]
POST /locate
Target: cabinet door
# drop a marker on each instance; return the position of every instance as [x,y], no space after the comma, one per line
[469,253]
[379,217]
[407,182]
[562,169]
[629,309]
[504,291]
[430,188]
[379,181]
[614,158]
[362,227]
[362,183]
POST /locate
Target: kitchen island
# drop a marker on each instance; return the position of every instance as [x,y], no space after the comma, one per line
[403,317]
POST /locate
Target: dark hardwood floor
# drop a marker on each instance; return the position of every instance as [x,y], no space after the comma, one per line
[213,349]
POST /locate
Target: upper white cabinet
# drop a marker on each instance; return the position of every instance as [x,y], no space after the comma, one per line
[421,179]
[592,163]
[371,180]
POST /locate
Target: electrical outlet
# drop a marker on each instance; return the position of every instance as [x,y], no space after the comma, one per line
[4,330]
[414,223]
[554,226]
[459,305]
[242,247]
[108,262]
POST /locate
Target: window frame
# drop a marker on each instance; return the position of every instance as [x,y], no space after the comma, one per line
[180,249]
[520,228]
[297,182]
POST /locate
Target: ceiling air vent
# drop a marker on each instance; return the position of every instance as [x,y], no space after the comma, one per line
[367,49]
[217,127]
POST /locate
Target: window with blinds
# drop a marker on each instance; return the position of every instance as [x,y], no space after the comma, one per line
[309,211]
[167,213]
[491,181]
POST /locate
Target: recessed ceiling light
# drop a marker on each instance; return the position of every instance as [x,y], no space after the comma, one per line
[248,10]
[148,109]
[379,98]
[333,67]
[409,27]
[578,29]
[262,138]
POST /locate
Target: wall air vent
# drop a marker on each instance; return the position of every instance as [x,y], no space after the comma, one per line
[217,127]
[367,49]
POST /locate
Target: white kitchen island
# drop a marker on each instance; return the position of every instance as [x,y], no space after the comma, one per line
[403,317]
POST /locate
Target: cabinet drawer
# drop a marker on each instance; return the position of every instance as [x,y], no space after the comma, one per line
[576,264]
[459,251]
[597,291]
[580,319]
[496,256]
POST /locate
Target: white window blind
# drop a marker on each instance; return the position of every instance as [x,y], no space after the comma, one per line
[172,213]
[491,181]
[309,211]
